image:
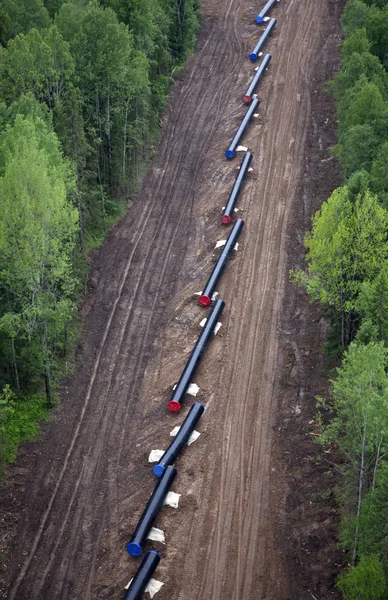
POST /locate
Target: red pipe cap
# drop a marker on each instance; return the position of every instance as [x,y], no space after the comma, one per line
[204,300]
[226,219]
[174,406]
[247,99]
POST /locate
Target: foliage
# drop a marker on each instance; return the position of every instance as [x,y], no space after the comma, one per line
[356,15]
[366,581]
[377,29]
[357,149]
[359,428]
[21,16]
[347,244]
[37,237]
[372,301]
[19,420]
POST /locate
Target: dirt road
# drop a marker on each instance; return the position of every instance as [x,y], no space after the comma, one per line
[73,497]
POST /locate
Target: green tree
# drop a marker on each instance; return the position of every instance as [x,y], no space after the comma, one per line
[357,148]
[23,15]
[149,23]
[53,6]
[39,62]
[346,246]
[377,31]
[379,175]
[355,16]
[373,522]
[366,106]
[366,581]
[358,65]
[114,87]
[184,25]
[37,229]
[360,424]
[373,302]
[353,105]
[357,43]
[358,183]
[5,26]
[376,3]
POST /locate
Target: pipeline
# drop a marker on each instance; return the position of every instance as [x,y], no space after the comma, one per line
[230,152]
[195,357]
[266,9]
[256,80]
[260,44]
[143,576]
[221,263]
[181,439]
[229,208]
[151,511]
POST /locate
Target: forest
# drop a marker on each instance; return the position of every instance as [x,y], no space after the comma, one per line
[83,84]
[347,271]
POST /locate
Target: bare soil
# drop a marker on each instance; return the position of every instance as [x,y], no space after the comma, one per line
[253,522]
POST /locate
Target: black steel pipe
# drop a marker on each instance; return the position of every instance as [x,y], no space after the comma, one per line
[144,573]
[205,297]
[195,357]
[230,152]
[256,80]
[229,208]
[181,439]
[260,44]
[265,10]
[151,511]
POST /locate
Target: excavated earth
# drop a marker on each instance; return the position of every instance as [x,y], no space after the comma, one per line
[256,518]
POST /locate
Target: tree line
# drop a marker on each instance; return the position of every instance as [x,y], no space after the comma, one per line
[347,271]
[83,85]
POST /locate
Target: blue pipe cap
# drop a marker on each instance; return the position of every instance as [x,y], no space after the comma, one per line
[159,470]
[134,549]
[253,56]
[229,154]
[259,19]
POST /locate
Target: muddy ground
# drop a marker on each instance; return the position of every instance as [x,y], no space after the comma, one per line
[255,520]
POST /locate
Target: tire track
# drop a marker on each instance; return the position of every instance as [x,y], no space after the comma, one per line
[261,254]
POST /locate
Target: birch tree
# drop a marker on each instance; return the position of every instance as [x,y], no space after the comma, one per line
[360,424]
[37,236]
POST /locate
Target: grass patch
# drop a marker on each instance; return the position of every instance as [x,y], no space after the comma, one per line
[19,421]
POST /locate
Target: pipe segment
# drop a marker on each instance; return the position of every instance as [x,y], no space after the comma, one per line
[230,152]
[260,44]
[256,80]
[151,511]
[229,208]
[180,439]
[143,576]
[221,263]
[265,10]
[174,404]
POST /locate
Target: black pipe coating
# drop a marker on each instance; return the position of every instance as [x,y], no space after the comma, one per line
[143,575]
[151,511]
[195,357]
[181,439]
[256,80]
[265,10]
[221,263]
[230,152]
[229,208]
[267,32]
